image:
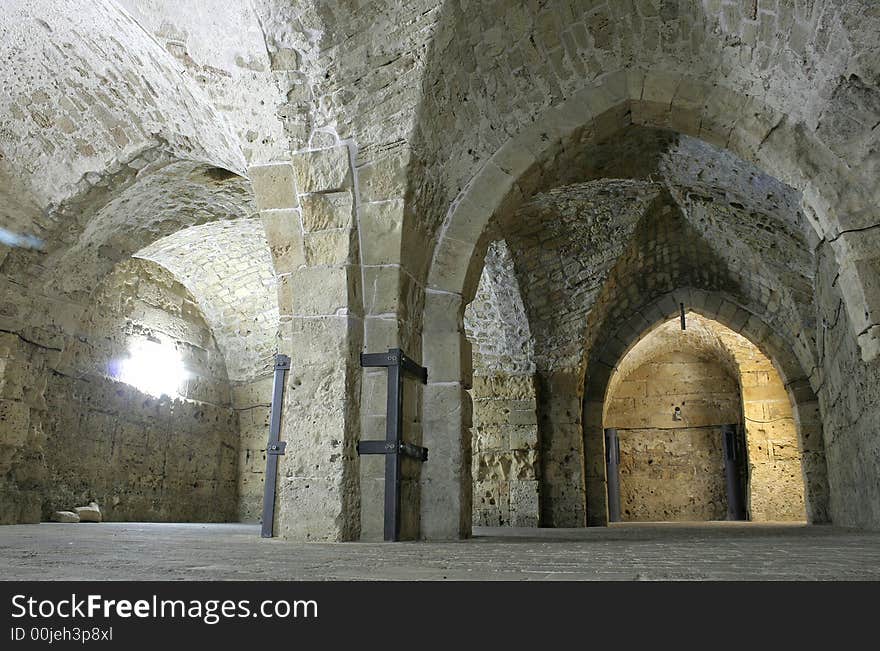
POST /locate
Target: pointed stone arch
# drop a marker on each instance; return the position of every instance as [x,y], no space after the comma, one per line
[529,161]
[612,346]
[835,200]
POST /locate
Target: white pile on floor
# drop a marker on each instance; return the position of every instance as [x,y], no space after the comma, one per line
[90,513]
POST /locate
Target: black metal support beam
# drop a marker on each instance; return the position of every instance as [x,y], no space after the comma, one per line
[395,357]
[732,468]
[383,447]
[393,447]
[612,472]
[274,448]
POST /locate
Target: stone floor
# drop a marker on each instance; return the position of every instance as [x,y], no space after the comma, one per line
[720,551]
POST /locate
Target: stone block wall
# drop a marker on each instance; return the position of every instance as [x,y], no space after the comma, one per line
[776,477]
[673,469]
[252,402]
[672,475]
[22,466]
[505,451]
[141,457]
[504,435]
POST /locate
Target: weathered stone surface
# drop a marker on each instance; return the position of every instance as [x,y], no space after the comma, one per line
[284,235]
[90,513]
[631,156]
[325,211]
[672,469]
[67,517]
[495,321]
[504,450]
[323,170]
[323,291]
[274,185]
[381,225]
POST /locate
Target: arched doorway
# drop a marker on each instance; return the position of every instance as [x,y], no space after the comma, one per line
[704,427]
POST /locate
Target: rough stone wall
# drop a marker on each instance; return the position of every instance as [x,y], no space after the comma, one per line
[505,427]
[776,471]
[673,470]
[252,402]
[672,475]
[505,451]
[139,456]
[564,244]
[496,322]
[849,400]
[47,293]
[784,461]
[22,465]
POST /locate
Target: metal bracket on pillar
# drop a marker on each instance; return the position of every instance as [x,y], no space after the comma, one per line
[274,448]
[612,473]
[393,447]
[732,468]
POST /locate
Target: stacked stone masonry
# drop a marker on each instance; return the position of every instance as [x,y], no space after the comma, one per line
[94,437]
[715,377]
[673,469]
[513,193]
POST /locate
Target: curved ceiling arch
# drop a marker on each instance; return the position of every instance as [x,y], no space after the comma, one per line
[724,72]
[227,267]
[519,168]
[90,92]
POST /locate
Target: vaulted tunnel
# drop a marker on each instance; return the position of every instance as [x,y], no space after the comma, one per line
[520,198]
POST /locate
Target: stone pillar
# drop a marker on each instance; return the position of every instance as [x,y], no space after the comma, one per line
[594,462]
[504,448]
[560,437]
[392,311]
[307,207]
[808,419]
[446,500]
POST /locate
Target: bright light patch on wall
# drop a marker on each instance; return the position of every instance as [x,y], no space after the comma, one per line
[153,368]
[21,240]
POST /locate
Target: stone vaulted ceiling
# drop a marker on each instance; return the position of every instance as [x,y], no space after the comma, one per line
[227,267]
